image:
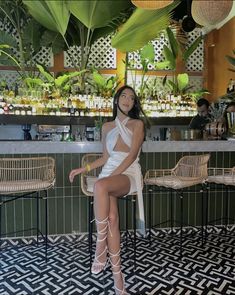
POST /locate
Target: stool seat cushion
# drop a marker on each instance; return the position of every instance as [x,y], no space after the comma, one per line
[14,187]
[174,182]
[222,179]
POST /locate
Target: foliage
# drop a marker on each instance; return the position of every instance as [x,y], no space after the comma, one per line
[138,29]
[180,86]
[26,40]
[104,87]
[77,23]
[172,52]
[56,86]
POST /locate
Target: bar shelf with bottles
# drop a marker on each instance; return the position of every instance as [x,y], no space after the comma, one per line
[92,106]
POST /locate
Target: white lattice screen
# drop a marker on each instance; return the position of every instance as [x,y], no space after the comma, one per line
[158,44]
[196,60]
[102,55]
[194,63]
[11,77]
[44,56]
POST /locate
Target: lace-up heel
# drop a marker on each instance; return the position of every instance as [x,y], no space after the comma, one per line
[98,265]
[116,268]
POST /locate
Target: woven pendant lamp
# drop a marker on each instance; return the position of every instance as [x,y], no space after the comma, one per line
[151,4]
[210,12]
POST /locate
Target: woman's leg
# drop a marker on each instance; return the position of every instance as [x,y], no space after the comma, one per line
[114,186]
[114,247]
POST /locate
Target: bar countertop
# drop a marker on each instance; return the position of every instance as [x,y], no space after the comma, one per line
[50,147]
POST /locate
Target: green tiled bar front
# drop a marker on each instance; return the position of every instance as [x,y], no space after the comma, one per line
[68,207]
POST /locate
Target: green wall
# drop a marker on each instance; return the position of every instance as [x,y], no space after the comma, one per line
[68,208]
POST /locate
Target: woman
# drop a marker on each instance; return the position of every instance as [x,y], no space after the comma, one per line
[122,139]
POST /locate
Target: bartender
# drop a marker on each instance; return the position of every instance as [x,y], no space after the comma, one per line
[203,116]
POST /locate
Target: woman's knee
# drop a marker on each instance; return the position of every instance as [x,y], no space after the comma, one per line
[100,187]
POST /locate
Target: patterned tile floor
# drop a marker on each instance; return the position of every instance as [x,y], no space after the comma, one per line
[209,270]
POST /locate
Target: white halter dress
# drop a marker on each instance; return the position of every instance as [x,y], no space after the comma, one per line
[133,171]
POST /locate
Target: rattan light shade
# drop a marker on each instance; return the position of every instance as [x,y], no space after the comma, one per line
[151,4]
[210,12]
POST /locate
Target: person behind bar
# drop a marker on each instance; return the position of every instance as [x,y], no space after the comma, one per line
[121,174]
[230,108]
[203,117]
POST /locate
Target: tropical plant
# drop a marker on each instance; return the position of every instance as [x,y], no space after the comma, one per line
[6,57]
[138,29]
[25,41]
[104,87]
[78,23]
[231,60]
[55,86]
[180,86]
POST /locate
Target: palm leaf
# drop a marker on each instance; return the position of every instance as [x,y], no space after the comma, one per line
[169,56]
[138,30]
[7,39]
[53,40]
[162,65]
[173,42]
[191,48]
[147,53]
[182,80]
[53,15]
[96,13]
[31,35]
[44,73]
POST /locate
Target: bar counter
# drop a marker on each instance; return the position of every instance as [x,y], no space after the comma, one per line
[49,147]
[68,206]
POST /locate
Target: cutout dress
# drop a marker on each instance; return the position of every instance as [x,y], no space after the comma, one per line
[133,171]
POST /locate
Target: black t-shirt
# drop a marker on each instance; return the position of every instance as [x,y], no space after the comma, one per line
[199,122]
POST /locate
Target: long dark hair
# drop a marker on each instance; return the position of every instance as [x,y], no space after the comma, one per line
[135,112]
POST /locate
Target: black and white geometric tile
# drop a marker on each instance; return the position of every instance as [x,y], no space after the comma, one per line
[208,270]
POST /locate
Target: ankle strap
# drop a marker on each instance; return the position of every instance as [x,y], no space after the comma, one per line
[103,231]
[115,254]
[118,263]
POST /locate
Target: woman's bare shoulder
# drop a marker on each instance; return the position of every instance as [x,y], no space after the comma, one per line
[137,123]
[107,126]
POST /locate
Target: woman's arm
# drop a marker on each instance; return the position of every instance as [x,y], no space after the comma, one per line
[97,163]
[137,140]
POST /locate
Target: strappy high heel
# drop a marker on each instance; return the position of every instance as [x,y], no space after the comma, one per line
[97,265]
[116,268]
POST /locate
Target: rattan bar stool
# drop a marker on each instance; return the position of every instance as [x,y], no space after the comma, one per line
[88,180]
[188,172]
[26,178]
[224,178]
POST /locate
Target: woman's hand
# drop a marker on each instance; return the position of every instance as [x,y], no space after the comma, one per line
[75,172]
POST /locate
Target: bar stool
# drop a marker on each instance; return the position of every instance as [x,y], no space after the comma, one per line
[26,178]
[88,180]
[188,172]
[224,177]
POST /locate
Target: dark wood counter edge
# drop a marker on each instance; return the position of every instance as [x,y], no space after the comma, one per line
[73,120]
